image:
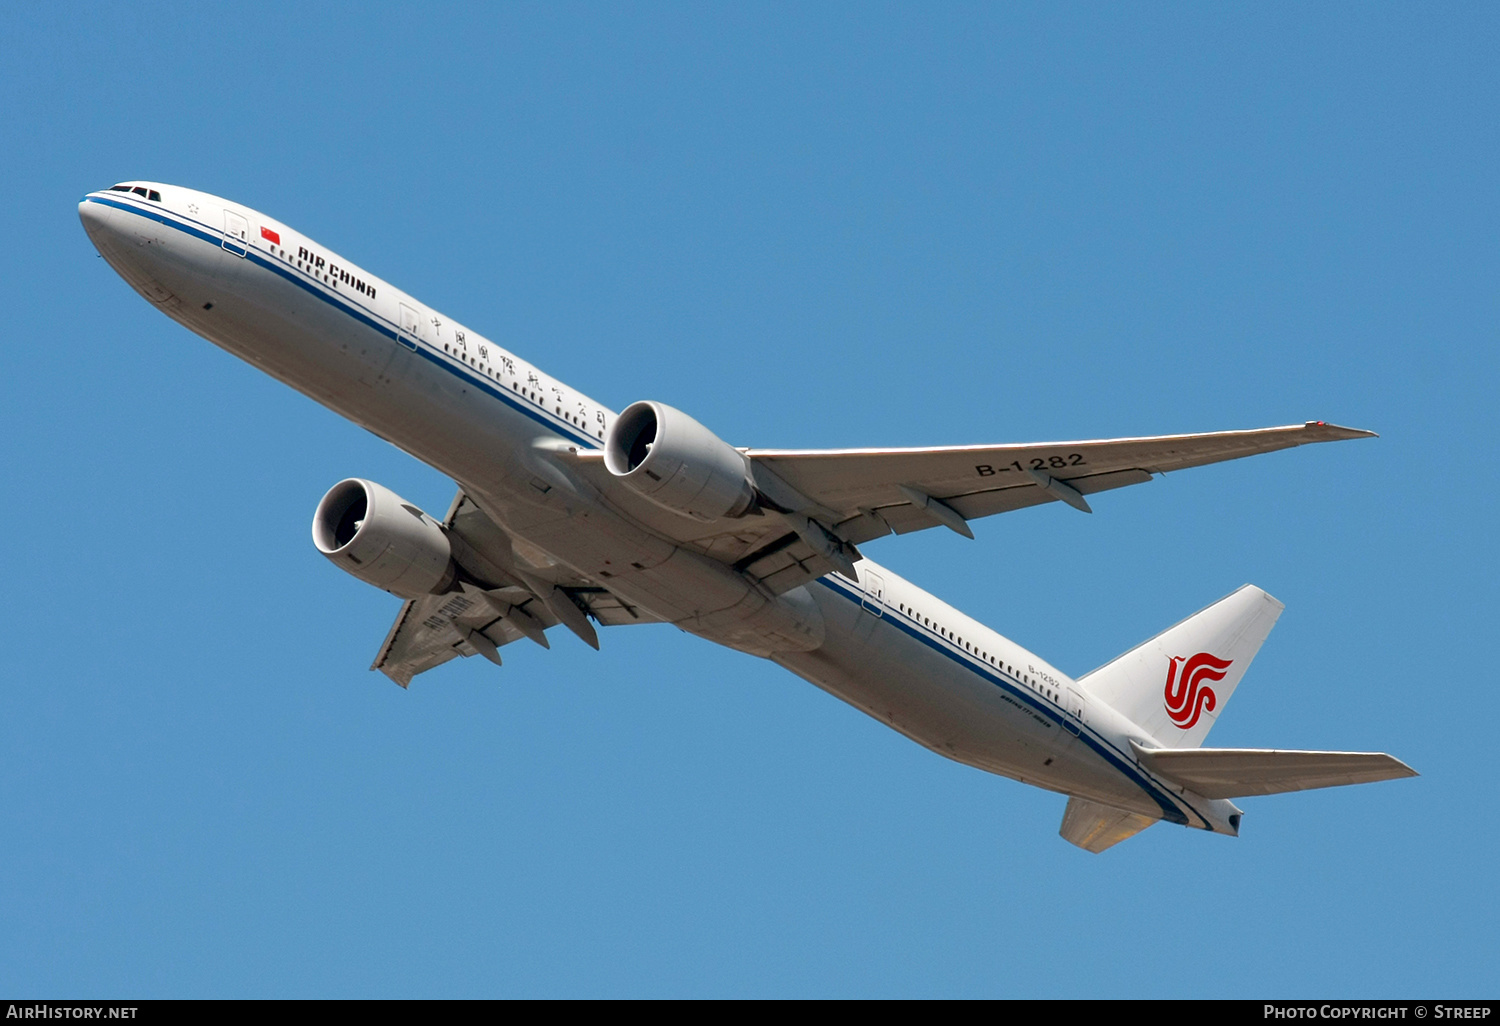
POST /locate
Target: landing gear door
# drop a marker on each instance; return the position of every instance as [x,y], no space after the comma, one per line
[236,233]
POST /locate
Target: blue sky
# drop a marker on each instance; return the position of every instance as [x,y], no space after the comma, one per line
[809,226]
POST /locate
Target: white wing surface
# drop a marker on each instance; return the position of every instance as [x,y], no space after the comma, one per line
[823,502]
[980,480]
[827,501]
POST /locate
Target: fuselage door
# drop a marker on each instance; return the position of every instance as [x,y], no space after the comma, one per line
[873,598]
[408,332]
[1073,706]
[236,233]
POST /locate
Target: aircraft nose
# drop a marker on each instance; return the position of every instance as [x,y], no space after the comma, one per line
[95,218]
[125,247]
[92,214]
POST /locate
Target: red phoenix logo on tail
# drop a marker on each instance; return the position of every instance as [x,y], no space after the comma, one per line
[1186,697]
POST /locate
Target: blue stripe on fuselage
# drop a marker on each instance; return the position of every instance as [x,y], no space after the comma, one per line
[984,671]
[198,230]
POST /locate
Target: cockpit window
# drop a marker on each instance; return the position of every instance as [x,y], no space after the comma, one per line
[139,190]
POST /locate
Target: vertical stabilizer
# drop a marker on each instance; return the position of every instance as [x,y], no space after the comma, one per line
[1176,684]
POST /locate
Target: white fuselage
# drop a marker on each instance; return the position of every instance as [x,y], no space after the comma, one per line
[492,422]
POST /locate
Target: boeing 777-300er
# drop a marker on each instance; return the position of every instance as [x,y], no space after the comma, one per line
[568,513]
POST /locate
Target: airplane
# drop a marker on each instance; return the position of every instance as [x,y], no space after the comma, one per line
[571,514]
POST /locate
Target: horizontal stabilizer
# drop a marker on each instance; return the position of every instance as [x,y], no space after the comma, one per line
[1094,827]
[1240,772]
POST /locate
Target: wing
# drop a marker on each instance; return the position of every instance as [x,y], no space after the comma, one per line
[912,489]
[1240,772]
[821,503]
[500,602]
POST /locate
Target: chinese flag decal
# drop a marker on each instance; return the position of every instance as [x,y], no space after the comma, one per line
[270,236]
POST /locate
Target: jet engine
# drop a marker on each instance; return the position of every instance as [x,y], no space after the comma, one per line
[382,539]
[668,457]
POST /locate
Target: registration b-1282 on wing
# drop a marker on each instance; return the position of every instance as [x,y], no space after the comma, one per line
[569,514]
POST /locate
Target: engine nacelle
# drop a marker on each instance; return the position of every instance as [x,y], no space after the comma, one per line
[679,464]
[382,539]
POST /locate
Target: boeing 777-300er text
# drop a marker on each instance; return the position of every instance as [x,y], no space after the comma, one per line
[568,512]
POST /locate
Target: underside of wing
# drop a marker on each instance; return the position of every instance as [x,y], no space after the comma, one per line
[435,628]
[1243,772]
[499,600]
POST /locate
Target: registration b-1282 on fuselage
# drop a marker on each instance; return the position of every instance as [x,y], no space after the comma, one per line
[569,514]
